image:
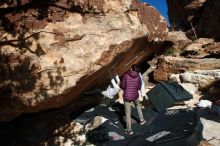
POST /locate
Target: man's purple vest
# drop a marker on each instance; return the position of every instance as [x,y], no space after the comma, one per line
[131,83]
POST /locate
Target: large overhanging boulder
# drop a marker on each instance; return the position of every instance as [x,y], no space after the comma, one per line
[53,51]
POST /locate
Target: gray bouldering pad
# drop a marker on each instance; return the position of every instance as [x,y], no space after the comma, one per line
[164,95]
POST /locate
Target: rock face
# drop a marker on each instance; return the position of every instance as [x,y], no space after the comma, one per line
[53,51]
[197,45]
[210,129]
[202,15]
[179,39]
[169,65]
[202,48]
[202,78]
[191,63]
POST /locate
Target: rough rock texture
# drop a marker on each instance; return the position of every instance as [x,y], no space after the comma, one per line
[201,78]
[179,39]
[53,51]
[204,143]
[213,50]
[197,44]
[169,65]
[201,48]
[191,88]
[180,11]
[211,130]
[70,134]
[202,15]
[74,133]
[213,90]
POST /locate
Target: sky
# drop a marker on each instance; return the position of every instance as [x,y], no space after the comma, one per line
[160,5]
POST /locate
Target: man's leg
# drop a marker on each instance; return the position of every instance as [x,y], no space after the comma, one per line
[128,114]
[138,106]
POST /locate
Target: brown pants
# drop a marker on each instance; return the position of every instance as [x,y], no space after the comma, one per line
[128,112]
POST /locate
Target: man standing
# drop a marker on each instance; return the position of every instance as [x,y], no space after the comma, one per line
[130,84]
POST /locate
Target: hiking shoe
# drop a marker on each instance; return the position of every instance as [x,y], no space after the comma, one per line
[128,132]
[142,122]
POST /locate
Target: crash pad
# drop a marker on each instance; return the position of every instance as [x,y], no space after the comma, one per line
[164,94]
[169,128]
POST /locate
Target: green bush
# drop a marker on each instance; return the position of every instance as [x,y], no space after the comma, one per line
[169,51]
[193,38]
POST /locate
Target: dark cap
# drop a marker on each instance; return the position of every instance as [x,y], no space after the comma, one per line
[136,67]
